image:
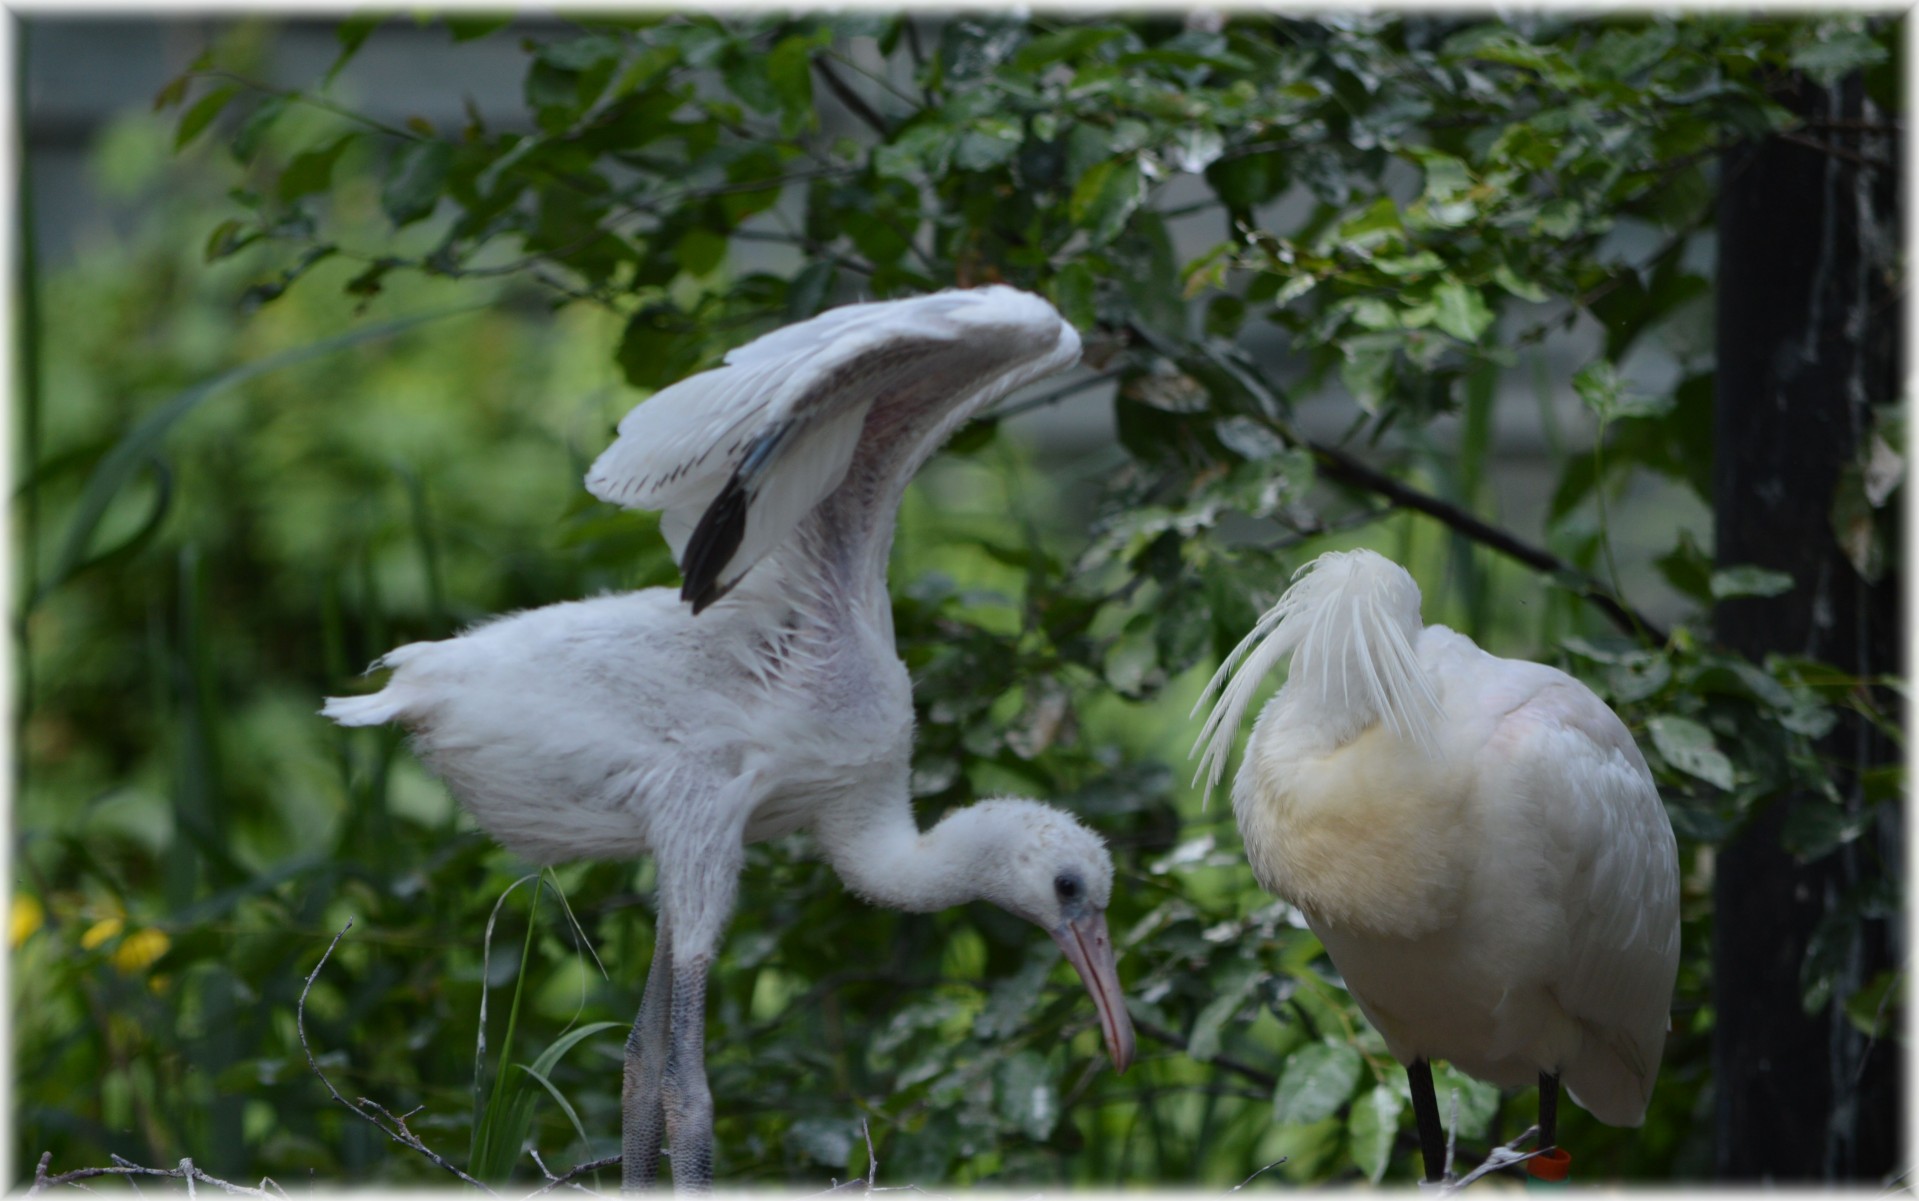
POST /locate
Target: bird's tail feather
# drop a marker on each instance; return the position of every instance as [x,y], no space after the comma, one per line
[372,710]
[375,708]
[1347,614]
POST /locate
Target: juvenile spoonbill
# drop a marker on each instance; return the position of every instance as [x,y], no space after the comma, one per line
[767,697]
[1477,841]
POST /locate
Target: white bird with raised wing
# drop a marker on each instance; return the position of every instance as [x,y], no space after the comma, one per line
[627,725]
[1477,841]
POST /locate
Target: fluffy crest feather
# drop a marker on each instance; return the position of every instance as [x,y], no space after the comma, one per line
[1349,620]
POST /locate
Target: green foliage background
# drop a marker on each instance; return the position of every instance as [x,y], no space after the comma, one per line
[338,390]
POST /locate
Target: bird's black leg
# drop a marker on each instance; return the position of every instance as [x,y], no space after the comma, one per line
[1432,1139]
[642,1115]
[1548,1110]
[689,1103]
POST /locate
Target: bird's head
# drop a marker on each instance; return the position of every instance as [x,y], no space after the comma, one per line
[1055,873]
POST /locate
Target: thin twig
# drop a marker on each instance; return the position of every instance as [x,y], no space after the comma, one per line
[854,103]
[128,1170]
[1336,464]
[398,1132]
[1053,397]
[1161,1034]
[1506,1156]
[571,1174]
[1256,1175]
[1838,152]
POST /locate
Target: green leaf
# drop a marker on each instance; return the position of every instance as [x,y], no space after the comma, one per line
[1461,311]
[987,143]
[1478,1101]
[1639,677]
[656,348]
[789,69]
[202,113]
[1689,747]
[172,92]
[1230,992]
[1688,568]
[1014,998]
[582,53]
[1749,581]
[1837,54]
[1028,1096]
[1856,524]
[1373,223]
[1612,397]
[1875,1008]
[472,27]
[415,179]
[701,251]
[1105,197]
[352,33]
[247,141]
[311,171]
[228,237]
[1064,45]
[1315,1083]
[1371,1128]
[1506,277]
[1073,291]
[1815,827]
[827,1142]
[1246,180]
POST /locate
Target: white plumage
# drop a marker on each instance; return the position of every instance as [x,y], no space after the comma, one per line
[1477,841]
[627,725]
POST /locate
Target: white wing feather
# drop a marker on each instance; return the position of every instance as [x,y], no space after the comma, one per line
[781,421]
[1601,812]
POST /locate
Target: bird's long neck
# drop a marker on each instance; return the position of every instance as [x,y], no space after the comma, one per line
[882,854]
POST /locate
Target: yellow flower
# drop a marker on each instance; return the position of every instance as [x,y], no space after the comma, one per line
[100,932]
[140,949]
[27,916]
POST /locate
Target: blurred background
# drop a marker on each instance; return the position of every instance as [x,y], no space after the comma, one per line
[242,474]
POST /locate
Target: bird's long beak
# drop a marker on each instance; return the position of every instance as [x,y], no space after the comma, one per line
[1090,951]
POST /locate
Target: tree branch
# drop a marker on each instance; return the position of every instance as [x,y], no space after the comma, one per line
[1336,464]
[848,97]
[1161,1034]
[1838,152]
[571,1174]
[186,1172]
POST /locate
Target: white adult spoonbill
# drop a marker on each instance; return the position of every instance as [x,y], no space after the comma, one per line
[1477,842]
[626,725]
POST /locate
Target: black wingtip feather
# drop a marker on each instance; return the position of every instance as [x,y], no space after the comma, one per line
[721,529]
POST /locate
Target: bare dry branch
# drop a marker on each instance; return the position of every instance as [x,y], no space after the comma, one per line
[566,1179]
[397,1131]
[1256,1175]
[186,1171]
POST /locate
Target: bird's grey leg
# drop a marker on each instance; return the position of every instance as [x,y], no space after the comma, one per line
[689,1102]
[1432,1139]
[642,1116]
[1548,1110]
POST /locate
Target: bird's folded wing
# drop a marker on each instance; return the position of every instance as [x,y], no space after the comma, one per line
[1622,933]
[737,456]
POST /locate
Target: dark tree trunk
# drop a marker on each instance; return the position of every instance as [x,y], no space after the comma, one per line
[1807,343]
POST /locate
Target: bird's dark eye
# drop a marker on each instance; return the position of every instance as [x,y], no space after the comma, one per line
[1068,887]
